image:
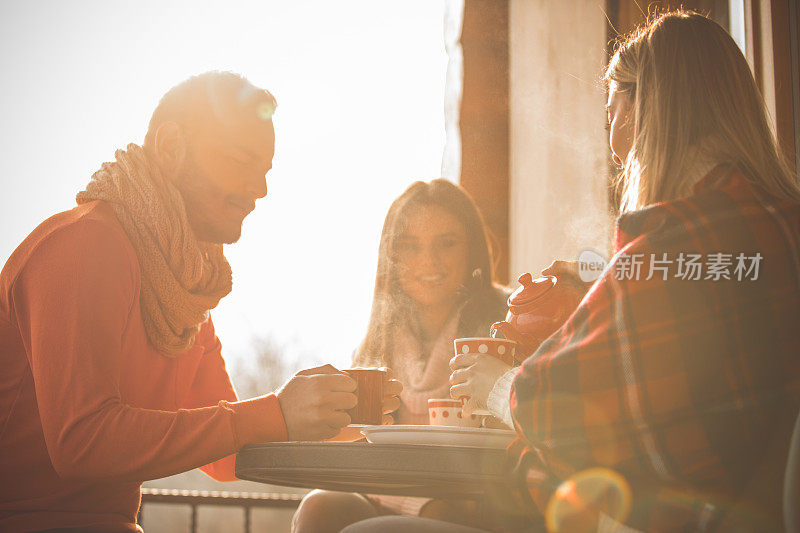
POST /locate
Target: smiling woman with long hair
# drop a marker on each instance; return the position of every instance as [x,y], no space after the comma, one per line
[434,264]
[434,283]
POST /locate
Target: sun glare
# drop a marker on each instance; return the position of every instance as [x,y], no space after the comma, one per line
[359,87]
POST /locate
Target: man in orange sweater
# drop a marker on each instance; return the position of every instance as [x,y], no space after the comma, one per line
[112,373]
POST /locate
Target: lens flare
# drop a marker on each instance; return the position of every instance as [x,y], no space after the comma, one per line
[577,503]
[265,110]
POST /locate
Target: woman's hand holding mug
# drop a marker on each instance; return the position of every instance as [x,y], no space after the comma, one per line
[474,376]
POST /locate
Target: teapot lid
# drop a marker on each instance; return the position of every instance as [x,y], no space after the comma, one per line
[531,289]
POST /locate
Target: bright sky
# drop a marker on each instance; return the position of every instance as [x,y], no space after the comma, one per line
[360,89]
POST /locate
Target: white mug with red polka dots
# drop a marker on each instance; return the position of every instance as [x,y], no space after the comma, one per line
[447,412]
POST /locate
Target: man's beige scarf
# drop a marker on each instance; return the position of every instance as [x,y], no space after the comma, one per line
[182,278]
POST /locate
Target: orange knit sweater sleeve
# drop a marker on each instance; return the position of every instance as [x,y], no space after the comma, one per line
[211,384]
[71,303]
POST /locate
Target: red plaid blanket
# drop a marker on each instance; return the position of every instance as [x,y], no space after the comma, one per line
[681,360]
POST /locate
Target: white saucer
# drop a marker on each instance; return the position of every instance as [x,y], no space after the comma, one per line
[439,436]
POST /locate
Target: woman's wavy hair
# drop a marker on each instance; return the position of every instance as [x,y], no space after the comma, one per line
[694,99]
[392,307]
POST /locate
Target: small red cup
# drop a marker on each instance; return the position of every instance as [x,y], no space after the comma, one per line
[448,412]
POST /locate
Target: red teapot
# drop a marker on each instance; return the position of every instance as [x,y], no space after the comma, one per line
[536,310]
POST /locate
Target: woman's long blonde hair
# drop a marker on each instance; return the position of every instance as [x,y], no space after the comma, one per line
[693,99]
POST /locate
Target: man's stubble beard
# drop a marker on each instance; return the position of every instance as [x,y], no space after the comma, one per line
[200,199]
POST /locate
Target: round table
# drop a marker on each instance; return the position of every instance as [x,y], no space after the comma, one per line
[401,469]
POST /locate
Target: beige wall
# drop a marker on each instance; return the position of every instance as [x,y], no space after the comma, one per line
[559,149]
